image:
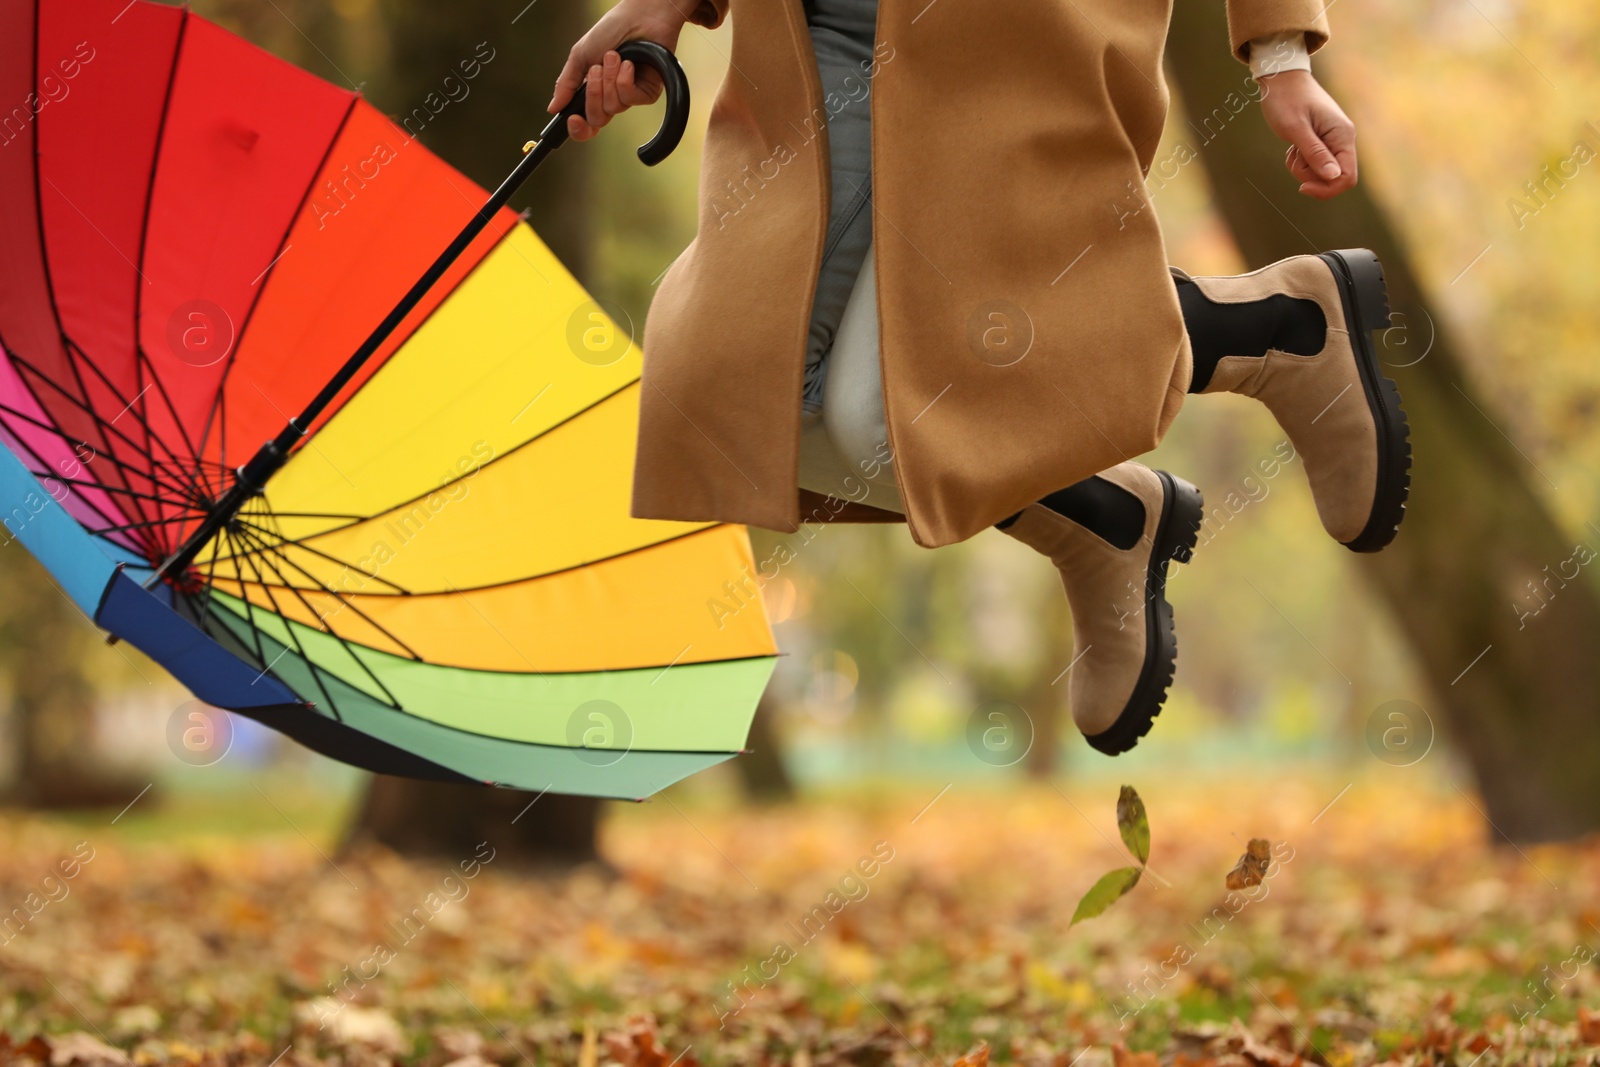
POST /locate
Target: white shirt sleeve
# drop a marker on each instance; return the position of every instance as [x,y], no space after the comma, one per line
[1278,52]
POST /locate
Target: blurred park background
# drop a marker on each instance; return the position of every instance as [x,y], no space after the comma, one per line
[1422,727]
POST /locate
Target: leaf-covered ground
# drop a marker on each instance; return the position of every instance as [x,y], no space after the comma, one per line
[904,927]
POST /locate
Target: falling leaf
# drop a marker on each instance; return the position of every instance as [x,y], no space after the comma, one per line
[1133,824]
[1252,866]
[1106,892]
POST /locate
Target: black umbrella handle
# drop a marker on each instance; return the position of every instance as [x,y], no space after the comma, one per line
[251,478]
[673,123]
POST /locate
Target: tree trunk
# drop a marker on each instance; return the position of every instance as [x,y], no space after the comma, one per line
[481,131]
[483,122]
[1521,705]
[761,768]
[442,820]
[1046,696]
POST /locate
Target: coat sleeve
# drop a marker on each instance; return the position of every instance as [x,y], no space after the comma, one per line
[1250,19]
[710,13]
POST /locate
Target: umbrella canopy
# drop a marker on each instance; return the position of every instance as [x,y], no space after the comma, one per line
[442,580]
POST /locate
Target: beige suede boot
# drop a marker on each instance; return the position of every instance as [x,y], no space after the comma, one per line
[1125,651]
[1342,415]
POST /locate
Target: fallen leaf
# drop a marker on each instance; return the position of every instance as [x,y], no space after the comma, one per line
[1121,1057]
[977,1058]
[1133,824]
[1589,1026]
[1252,866]
[35,1048]
[1106,892]
[1258,1052]
[84,1050]
[637,1046]
[368,1027]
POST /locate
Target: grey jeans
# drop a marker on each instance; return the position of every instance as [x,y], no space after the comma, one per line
[844,449]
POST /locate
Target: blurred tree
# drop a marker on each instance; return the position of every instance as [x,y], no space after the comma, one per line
[1045,698]
[48,658]
[517,48]
[761,769]
[1520,705]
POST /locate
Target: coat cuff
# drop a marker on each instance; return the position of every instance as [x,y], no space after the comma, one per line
[1250,19]
[1278,53]
[710,13]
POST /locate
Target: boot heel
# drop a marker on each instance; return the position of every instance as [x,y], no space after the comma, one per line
[1185,513]
[1182,510]
[1363,271]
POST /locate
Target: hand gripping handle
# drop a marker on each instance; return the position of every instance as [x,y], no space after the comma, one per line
[664,63]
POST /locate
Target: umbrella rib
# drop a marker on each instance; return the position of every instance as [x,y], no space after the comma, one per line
[244,327]
[126,527]
[702,531]
[164,500]
[267,587]
[314,515]
[205,611]
[289,629]
[177,421]
[478,469]
[329,629]
[108,489]
[403,591]
[44,244]
[128,407]
[22,365]
[341,597]
[98,510]
[99,421]
[76,442]
[142,359]
[250,616]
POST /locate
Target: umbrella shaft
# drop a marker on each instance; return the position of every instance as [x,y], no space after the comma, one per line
[251,478]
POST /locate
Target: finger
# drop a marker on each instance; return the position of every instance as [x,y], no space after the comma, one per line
[570,78]
[1316,153]
[1311,183]
[1298,166]
[630,89]
[579,129]
[1341,140]
[610,100]
[595,106]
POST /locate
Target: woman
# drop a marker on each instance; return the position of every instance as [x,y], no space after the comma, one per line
[928,287]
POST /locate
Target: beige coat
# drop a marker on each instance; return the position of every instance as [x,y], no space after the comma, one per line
[1030,332]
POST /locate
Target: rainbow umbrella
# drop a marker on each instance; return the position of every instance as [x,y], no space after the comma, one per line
[430,570]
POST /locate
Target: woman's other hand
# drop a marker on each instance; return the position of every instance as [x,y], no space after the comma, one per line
[1322,139]
[614,85]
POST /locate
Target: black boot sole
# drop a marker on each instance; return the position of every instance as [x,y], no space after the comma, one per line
[1366,308]
[1182,512]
